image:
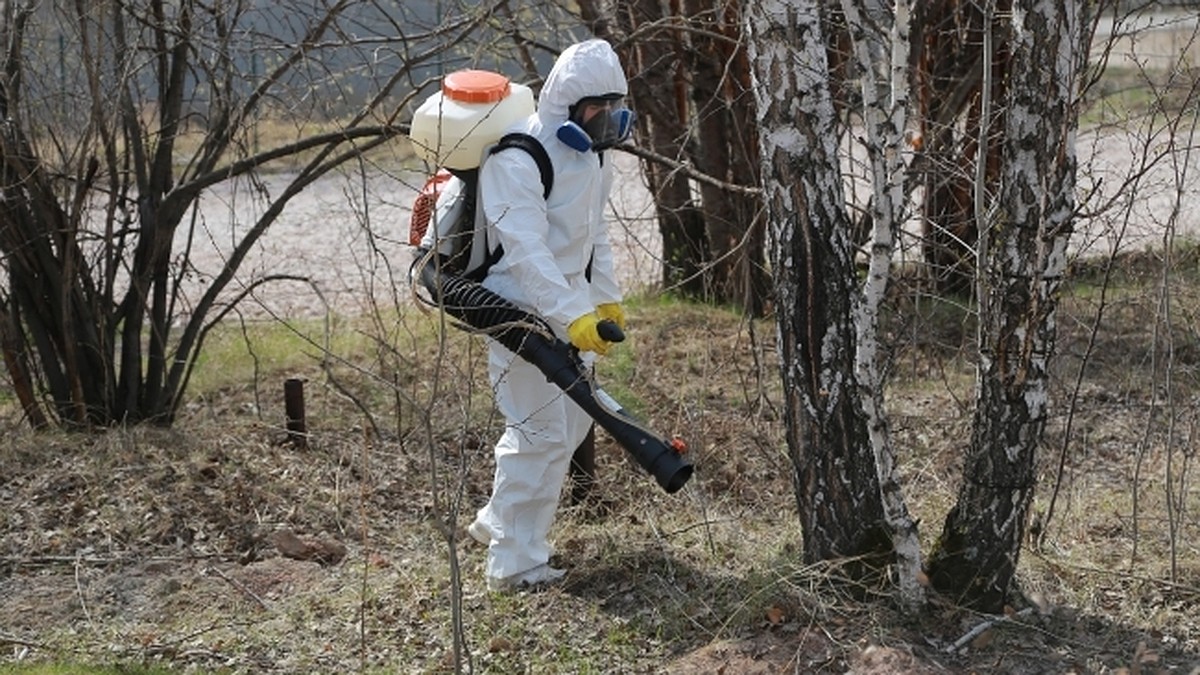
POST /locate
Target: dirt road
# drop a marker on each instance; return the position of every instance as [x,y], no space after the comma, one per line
[348,235]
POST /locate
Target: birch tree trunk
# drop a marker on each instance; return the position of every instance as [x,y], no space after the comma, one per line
[885,115]
[836,484]
[1022,257]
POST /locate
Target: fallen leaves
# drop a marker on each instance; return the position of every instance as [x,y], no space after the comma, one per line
[775,615]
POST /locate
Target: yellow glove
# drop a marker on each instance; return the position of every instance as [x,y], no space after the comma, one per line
[584,335]
[613,312]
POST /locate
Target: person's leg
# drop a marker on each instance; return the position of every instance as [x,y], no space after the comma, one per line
[543,428]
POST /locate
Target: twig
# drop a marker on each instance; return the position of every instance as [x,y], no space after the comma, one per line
[198,652]
[239,585]
[11,640]
[79,591]
[688,170]
[977,630]
[1120,574]
[59,560]
[100,561]
[703,523]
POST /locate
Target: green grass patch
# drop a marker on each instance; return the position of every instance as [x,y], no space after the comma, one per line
[1125,93]
[235,352]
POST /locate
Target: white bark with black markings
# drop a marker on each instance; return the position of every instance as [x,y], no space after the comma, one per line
[817,299]
[885,120]
[977,555]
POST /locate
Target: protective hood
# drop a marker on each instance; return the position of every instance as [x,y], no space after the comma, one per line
[586,69]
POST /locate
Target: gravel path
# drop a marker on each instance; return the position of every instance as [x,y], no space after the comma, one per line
[349,235]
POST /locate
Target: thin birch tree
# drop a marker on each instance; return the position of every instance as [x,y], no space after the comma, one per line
[885,102]
[837,483]
[1022,254]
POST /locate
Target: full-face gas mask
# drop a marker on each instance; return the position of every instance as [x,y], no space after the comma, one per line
[597,123]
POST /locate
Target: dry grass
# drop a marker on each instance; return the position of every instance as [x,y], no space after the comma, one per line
[153,546]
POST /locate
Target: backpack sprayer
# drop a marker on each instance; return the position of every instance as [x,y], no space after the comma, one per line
[454,128]
[529,337]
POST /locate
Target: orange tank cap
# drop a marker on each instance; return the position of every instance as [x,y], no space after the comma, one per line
[475,86]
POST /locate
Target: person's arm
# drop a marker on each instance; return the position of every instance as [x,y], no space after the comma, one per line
[510,192]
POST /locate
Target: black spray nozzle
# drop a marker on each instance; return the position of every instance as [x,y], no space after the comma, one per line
[530,338]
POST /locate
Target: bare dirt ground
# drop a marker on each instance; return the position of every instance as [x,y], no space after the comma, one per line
[217,547]
[173,547]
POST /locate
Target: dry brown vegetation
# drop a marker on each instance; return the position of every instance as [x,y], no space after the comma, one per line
[161,547]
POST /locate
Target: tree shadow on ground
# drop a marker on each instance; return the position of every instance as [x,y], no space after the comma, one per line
[806,622]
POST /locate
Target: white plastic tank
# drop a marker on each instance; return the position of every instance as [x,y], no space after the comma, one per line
[471,112]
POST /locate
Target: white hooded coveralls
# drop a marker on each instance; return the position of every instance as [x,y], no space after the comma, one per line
[549,245]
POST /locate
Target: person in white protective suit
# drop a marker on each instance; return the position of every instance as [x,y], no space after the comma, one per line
[558,264]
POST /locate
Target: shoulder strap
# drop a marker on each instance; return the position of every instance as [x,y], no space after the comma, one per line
[534,147]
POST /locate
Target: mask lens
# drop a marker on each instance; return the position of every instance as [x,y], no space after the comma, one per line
[608,124]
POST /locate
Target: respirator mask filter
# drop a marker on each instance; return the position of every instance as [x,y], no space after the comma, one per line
[597,123]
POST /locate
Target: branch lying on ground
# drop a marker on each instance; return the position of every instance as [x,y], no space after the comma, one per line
[983,627]
[238,585]
[10,640]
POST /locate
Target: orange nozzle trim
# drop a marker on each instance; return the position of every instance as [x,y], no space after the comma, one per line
[678,445]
